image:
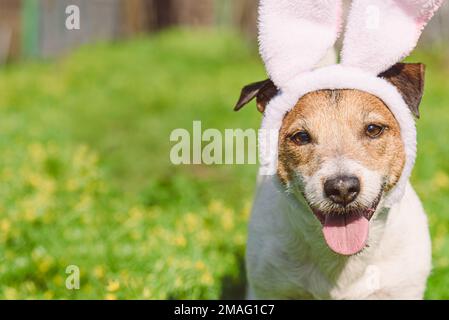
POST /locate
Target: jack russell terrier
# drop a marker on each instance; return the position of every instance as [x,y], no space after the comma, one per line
[335,216]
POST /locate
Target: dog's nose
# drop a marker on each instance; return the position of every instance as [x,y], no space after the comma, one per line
[342,189]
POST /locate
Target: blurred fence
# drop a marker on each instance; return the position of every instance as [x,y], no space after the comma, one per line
[37,27]
[9,28]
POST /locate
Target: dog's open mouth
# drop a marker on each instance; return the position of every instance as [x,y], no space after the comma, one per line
[346,233]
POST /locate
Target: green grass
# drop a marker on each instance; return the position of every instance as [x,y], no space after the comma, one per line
[431,173]
[86,178]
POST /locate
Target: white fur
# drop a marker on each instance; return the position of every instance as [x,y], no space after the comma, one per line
[287,257]
[371,182]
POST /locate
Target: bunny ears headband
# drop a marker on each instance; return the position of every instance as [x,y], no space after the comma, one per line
[294,36]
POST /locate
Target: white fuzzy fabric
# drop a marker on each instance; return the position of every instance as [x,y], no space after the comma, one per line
[381,33]
[295,35]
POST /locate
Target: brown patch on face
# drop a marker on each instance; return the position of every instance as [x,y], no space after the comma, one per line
[337,121]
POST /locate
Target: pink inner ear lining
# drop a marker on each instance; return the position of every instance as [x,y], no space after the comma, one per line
[382,47]
[288,51]
[422,11]
[340,20]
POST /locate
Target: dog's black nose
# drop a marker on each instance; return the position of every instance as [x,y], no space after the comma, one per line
[342,189]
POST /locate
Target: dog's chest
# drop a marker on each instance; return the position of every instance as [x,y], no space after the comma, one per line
[288,259]
[287,276]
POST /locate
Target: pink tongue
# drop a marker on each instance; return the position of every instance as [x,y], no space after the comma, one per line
[346,234]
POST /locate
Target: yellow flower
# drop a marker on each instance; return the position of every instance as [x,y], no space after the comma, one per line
[246,212]
[110,296]
[442,262]
[192,221]
[441,180]
[29,286]
[215,206]
[146,293]
[136,214]
[58,280]
[136,235]
[113,286]
[37,152]
[84,157]
[47,186]
[85,203]
[227,219]
[99,272]
[204,236]
[180,241]
[7,174]
[10,293]
[5,225]
[185,263]
[206,279]
[178,282]
[439,238]
[48,295]
[45,265]
[200,266]
[72,185]
[239,239]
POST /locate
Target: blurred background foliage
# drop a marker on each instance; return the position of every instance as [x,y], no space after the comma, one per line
[85,175]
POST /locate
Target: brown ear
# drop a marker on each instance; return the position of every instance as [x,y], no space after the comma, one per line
[408,78]
[263,91]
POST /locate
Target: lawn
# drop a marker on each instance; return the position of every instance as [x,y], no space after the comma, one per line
[86,178]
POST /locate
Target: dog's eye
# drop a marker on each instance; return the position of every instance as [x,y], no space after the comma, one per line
[301,138]
[374,130]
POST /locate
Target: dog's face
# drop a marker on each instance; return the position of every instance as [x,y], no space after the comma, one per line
[343,150]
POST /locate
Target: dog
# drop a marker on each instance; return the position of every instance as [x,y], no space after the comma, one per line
[319,228]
